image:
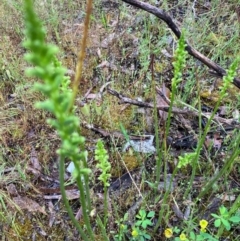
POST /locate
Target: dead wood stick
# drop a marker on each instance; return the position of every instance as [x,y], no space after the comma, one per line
[169,21]
[125,100]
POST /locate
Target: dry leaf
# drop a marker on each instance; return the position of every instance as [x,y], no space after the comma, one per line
[223,110]
[11,188]
[107,41]
[78,216]
[34,160]
[72,194]
[52,212]
[28,204]
[208,142]
[166,53]
[161,101]
[217,141]
[35,172]
[226,197]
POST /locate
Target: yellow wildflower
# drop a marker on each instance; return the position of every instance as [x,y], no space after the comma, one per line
[183,237]
[134,233]
[203,224]
[168,233]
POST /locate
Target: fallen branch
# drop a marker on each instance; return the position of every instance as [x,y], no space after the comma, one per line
[169,21]
[125,100]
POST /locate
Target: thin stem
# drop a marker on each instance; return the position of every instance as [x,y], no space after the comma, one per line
[82,188]
[105,207]
[87,190]
[65,200]
[156,126]
[199,147]
[224,170]
[198,150]
[160,216]
[81,55]
[103,230]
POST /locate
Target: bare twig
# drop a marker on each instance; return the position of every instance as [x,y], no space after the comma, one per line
[193,112]
[171,24]
[124,100]
[162,95]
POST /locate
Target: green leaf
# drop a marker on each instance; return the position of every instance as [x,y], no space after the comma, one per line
[235,219]
[206,236]
[215,215]
[125,217]
[151,214]
[226,224]
[200,237]
[223,211]
[145,223]
[142,213]
[217,223]
[192,235]
[176,230]
[147,236]
[142,238]
[138,216]
[138,223]
[152,185]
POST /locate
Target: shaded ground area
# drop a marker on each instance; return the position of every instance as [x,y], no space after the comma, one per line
[122,40]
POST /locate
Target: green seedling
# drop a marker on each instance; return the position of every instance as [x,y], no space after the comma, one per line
[139,231]
[225,218]
[144,218]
